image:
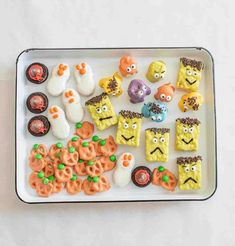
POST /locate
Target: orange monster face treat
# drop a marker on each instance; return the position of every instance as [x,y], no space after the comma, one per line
[165,93]
[128,66]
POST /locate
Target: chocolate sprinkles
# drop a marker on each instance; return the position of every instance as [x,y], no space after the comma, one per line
[96,99]
[188,160]
[188,121]
[129,114]
[158,130]
[192,63]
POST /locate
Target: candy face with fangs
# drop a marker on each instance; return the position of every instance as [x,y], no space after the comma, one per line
[37,102]
[38,126]
[37,73]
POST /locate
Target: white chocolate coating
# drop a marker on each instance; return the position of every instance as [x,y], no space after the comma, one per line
[122,174]
[85,82]
[59,126]
[73,107]
[56,84]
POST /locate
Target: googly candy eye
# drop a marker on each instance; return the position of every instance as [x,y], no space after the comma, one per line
[193,168]
[128,69]
[186,169]
[133,66]
[190,130]
[153,118]
[134,126]
[104,108]
[154,140]
[99,110]
[125,125]
[189,72]
[162,96]
[195,73]
[144,88]
[159,118]
[185,130]
[168,98]
[156,75]
[162,140]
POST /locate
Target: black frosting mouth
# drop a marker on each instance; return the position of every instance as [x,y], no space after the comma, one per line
[190,178]
[157,148]
[187,142]
[127,139]
[191,83]
[106,118]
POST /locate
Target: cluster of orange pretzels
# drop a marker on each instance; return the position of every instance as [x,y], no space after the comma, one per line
[66,166]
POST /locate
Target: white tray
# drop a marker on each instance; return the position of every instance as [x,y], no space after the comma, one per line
[105,62]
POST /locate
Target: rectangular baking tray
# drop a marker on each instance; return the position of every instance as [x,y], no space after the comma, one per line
[104,62]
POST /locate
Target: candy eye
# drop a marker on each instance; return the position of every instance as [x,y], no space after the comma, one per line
[186,169]
[104,108]
[133,66]
[144,88]
[162,76]
[185,130]
[99,110]
[125,125]
[134,126]
[159,118]
[195,73]
[189,72]
[168,98]
[193,168]
[190,130]
[128,69]
[153,118]
[154,140]
[162,140]
[162,96]
[156,75]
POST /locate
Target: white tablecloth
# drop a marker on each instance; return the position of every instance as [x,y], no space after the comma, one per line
[33,23]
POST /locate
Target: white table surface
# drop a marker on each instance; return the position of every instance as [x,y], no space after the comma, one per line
[33,23]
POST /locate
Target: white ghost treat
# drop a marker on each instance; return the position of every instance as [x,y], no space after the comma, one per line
[85,80]
[59,125]
[122,173]
[57,83]
[73,107]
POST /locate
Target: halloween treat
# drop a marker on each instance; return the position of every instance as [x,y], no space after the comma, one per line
[84,129]
[75,142]
[102,111]
[34,179]
[88,187]
[37,102]
[39,149]
[101,183]
[94,168]
[63,173]
[87,151]
[156,71]
[107,146]
[129,125]
[187,133]
[122,173]
[156,111]
[80,168]
[37,73]
[190,101]
[73,107]
[189,75]
[69,156]
[128,66]
[85,80]
[108,162]
[189,172]
[44,188]
[49,169]
[38,126]
[112,84]
[164,178]
[141,176]
[138,90]
[55,151]
[165,93]
[74,185]
[57,83]
[157,144]
[59,125]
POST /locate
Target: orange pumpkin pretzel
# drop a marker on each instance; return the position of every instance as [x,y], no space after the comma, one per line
[85,129]
[94,168]
[74,185]
[87,151]
[69,157]
[63,173]
[80,168]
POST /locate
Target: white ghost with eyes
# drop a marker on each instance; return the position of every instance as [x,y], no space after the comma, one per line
[122,173]
[57,83]
[73,107]
[85,79]
[59,125]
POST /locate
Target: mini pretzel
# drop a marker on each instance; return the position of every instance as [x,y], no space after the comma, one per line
[39,149]
[54,152]
[80,168]
[85,129]
[57,186]
[34,179]
[37,162]
[109,147]
[64,175]
[102,185]
[87,152]
[69,158]
[95,169]
[97,148]
[107,162]
[49,169]
[75,142]
[88,188]
[73,187]
[44,190]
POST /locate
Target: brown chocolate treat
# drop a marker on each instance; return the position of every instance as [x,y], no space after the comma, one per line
[129,114]
[37,102]
[38,126]
[141,176]
[113,84]
[188,160]
[95,99]
[37,73]
[192,63]
[189,121]
[158,130]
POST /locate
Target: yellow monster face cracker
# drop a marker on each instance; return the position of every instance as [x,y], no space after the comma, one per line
[156,71]
[101,111]
[189,172]
[189,75]
[157,144]
[129,125]
[187,133]
[190,101]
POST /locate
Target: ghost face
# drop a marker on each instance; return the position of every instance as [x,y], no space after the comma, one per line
[138,90]
[70,96]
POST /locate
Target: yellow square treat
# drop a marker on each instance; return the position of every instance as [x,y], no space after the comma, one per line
[129,125]
[157,144]
[102,111]
[187,133]
[189,172]
[189,75]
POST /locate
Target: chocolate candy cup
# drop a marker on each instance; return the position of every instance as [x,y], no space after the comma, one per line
[38,126]
[141,176]
[37,73]
[37,102]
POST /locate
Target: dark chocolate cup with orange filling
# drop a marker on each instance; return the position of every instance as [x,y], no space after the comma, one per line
[141,176]
[37,102]
[38,126]
[37,73]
